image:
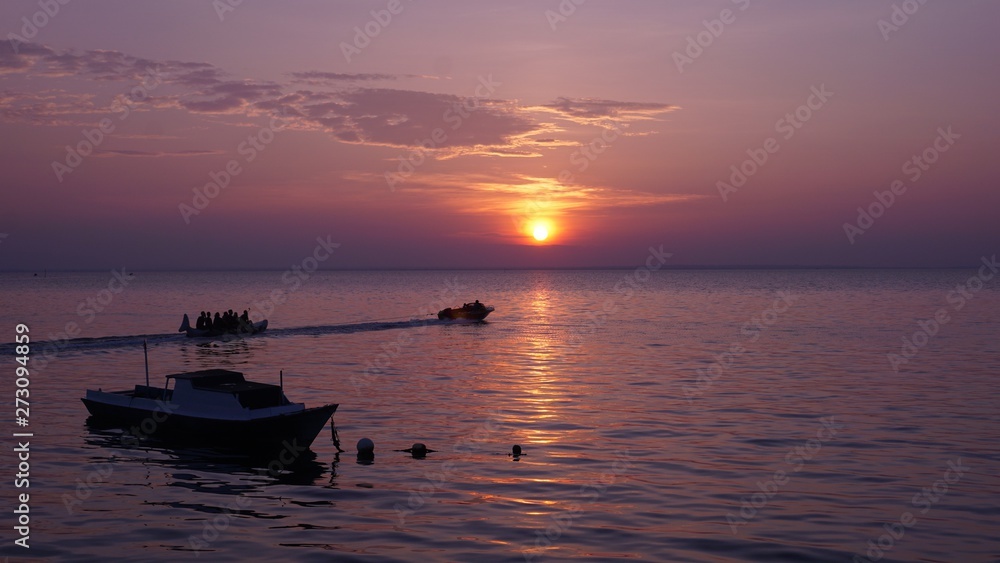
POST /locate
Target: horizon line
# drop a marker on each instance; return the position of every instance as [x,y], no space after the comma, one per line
[519,269]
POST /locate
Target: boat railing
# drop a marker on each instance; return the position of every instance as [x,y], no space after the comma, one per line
[147,392]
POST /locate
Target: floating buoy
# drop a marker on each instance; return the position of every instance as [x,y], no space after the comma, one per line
[417,450]
[516,450]
[366,447]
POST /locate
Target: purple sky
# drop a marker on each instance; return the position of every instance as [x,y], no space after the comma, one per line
[456,128]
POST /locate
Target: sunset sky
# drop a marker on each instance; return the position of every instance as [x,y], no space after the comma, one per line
[442,135]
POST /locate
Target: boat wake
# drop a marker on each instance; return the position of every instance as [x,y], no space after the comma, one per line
[54,347]
[352,328]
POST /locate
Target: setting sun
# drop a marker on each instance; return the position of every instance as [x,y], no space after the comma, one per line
[541,232]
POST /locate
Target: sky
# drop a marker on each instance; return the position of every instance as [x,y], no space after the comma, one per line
[431,134]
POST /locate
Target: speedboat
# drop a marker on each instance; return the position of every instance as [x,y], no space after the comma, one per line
[469,311]
[242,330]
[215,407]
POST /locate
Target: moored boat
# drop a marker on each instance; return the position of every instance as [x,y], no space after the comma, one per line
[469,311]
[215,407]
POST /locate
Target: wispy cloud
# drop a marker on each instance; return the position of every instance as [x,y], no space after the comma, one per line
[321,78]
[155,154]
[350,113]
[519,195]
[593,111]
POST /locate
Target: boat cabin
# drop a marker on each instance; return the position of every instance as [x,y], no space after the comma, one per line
[220,388]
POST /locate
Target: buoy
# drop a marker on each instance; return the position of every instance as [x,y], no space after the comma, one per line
[366,446]
[417,450]
[516,450]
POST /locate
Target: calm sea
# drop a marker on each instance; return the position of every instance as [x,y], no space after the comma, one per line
[804,415]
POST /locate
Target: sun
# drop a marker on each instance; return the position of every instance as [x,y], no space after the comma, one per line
[540,230]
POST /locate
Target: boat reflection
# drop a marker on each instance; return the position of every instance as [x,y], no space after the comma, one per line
[220,353]
[271,468]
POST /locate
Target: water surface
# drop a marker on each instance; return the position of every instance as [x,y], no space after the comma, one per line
[698,416]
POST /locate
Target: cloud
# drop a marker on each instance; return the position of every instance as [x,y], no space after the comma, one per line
[23,58]
[198,75]
[229,96]
[321,78]
[315,77]
[155,154]
[506,191]
[47,107]
[593,111]
[40,60]
[350,113]
[406,118]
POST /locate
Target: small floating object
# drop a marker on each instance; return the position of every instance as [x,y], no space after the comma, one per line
[366,451]
[366,446]
[516,450]
[418,450]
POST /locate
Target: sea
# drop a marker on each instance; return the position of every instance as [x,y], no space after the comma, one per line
[675,415]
